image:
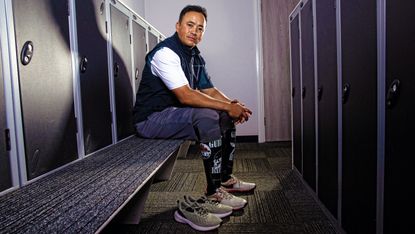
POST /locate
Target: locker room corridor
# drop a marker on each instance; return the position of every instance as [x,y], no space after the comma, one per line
[281,203]
[330,84]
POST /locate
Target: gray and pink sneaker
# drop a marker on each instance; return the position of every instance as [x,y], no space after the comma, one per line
[236,185]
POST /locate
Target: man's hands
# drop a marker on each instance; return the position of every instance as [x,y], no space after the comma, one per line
[239,112]
[214,99]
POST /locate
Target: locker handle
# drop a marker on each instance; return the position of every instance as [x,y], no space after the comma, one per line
[137,73]
[393,93]
[346,93]
[101,8]
[303,92]
[26,54]
[83,65]
[8,142]
[320,93]
[116,69]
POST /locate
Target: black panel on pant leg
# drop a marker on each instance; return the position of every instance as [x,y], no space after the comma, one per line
[227,127]
[211,153]
[228,150]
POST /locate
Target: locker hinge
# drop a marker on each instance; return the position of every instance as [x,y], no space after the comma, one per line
[265,121]
[68,8]
[106,27]
[77,126]
[7,138]
[130,39]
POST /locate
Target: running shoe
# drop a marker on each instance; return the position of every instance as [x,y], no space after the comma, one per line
[197,217]
[228,199]
[236,185]
[213,207]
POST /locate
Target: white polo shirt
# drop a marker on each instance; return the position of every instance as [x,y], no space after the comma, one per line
[166,65]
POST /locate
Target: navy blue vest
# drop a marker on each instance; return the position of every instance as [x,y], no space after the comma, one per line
[153,95]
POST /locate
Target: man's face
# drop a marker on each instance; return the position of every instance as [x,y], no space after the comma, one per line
[191,28]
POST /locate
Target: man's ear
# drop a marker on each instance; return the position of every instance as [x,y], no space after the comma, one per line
[177,26]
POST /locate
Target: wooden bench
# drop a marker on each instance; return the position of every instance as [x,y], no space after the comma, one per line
[86,195]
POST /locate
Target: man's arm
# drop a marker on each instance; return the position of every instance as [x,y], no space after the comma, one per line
[216,93]
[195,98]
[166,65]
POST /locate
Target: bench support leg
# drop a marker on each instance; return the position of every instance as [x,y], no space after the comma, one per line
[131,213]
[165,172]
[183,149]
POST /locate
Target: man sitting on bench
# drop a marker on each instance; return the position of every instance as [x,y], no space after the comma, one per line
[177,100]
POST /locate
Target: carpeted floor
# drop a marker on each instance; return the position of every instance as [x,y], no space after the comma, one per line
[280,204]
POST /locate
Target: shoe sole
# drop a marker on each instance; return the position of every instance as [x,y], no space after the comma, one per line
[239,207]
[229,190]
[182,219]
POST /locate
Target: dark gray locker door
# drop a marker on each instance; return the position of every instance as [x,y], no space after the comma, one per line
[92,47]
[296,92]
[121,55]
[327,104]
[152,41]
[400,115]
[309,126]
[46,87]
[5,172]
[139,49]
[359,80]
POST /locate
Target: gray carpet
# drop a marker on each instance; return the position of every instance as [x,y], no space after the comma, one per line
[280,204]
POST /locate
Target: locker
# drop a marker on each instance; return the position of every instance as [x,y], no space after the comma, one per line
[140,50]
[359,115]
[5,171]
[308,94]
[46,84]
[94,80]
[400,115]
[327,122]
[121,55]
[296,90]
[152,39]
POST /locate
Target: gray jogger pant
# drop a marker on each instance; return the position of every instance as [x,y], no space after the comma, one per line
[199,124]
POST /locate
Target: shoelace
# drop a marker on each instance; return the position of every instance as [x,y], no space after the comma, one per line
[205,200]
[195,207]
[235,180]
[223,194]
[215,203]
[200,210]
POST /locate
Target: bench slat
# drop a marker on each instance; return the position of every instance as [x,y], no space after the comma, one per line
[82,196]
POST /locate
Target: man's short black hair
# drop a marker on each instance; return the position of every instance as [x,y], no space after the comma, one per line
[193,8]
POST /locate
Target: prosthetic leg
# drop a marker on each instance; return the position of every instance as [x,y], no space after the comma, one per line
[229,182]
[228,150]
[211,153]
